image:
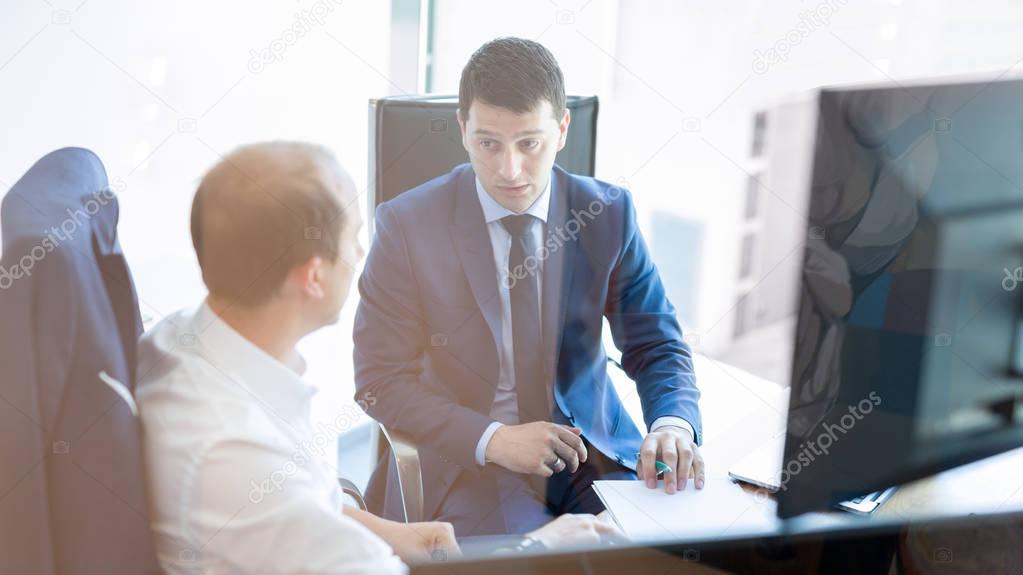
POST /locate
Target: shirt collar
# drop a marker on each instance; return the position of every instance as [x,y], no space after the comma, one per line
[279,387]
[493,211]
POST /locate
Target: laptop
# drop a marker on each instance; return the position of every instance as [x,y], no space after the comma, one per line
[762,468]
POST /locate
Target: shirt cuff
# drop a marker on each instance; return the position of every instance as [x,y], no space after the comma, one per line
[669,420]
[481,447]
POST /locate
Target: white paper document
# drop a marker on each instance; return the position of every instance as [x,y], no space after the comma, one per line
[720,509]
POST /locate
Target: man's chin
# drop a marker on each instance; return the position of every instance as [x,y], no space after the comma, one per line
[517,202]
[330,318]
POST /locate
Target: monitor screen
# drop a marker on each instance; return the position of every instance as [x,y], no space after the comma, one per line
[905,354]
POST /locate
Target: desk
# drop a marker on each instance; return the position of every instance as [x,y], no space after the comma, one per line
[742,412]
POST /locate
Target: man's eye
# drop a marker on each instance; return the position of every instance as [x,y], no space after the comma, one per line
[530,144]
[486,144]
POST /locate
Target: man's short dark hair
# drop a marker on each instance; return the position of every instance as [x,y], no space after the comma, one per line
[260,212]
[512,73]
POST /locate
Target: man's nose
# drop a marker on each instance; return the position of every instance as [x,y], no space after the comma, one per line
[510,166]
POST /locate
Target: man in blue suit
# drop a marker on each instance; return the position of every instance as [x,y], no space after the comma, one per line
[479,329]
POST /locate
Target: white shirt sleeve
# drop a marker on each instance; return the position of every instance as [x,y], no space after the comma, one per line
[257,509]
[481,446]
[672,420]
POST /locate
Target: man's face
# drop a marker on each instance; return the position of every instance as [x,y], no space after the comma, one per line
[335,277]
[512,153]
[340,273]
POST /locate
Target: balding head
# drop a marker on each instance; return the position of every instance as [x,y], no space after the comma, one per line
[264,210]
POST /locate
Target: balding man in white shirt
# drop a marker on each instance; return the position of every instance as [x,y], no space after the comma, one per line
[234,484]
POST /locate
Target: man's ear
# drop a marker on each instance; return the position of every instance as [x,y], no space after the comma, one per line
[461,128]
[309,277]
[563,129]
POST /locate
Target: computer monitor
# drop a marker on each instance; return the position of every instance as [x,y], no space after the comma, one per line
[907,353]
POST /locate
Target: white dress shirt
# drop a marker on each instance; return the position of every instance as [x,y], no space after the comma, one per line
[505,410]
[236,482]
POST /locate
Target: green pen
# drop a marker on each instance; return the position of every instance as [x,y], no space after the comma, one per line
[660,466]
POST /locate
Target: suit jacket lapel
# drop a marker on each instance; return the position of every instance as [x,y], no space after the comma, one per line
[472,241]
[557,271]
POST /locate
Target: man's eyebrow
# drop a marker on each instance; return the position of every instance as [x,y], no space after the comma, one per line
[482,132]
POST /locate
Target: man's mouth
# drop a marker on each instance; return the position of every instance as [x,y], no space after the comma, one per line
[514,190]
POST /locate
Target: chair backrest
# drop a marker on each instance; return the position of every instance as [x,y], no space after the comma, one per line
[414,139]
[71,476]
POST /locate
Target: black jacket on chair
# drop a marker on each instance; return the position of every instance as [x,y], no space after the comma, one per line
[72,491]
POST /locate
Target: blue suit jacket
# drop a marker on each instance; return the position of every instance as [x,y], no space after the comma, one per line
[72,457]
[429,323]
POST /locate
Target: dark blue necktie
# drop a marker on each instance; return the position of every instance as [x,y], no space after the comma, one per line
[521,280]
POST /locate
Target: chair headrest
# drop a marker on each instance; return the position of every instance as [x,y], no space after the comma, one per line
[64,198]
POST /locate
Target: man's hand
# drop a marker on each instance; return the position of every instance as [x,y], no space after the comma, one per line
[675,447]
[578,530]
[413,542]
[422,542]
[538,448]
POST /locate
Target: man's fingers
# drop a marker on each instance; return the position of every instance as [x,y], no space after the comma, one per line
[698,470]
[568,455]
[609,532]
[547,464]
[446,541]
[570,436]
[669,455]
[685,462]
[647,456]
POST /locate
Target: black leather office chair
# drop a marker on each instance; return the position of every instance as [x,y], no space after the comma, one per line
[72,489]
[414,139]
